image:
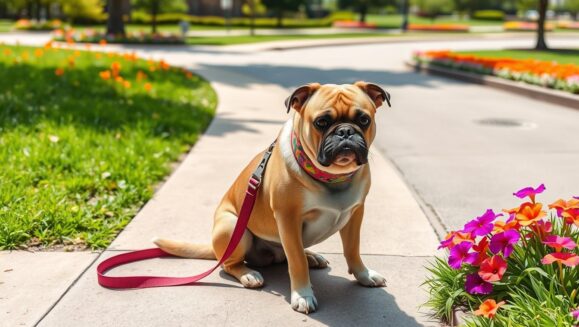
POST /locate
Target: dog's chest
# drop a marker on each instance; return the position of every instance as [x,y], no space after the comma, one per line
[327,212]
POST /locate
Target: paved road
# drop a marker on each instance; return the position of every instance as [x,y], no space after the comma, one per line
[438,132]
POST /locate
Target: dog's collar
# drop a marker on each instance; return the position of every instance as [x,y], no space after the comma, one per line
[308,166]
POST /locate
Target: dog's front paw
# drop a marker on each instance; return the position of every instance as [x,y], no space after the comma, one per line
[370,278]
[316,261]
[252,279]
[304,300]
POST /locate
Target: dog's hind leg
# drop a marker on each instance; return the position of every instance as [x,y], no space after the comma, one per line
[235,264]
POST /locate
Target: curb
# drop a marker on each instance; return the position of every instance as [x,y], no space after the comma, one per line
[528,90]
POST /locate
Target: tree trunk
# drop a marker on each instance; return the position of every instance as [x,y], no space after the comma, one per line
[279,14]
[115,23]
[252,18]
[405,8]
[38,8]
[48,13]
[154,11]
[363,12]
[541,44]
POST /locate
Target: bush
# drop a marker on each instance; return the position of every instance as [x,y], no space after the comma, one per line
[174,18]
[494,15]
[520,271]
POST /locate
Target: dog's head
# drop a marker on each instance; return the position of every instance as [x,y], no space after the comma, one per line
[336,122]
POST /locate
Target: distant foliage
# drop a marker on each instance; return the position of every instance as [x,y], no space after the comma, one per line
[497,15]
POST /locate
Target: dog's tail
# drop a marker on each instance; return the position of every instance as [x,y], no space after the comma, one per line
[186,250]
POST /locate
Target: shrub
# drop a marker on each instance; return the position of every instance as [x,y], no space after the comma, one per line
[521,271]
[496,15]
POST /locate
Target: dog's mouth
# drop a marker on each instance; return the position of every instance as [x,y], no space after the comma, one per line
[345,157]
[340,151]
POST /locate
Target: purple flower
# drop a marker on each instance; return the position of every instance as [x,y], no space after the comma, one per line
[504,242]
[575,314]
[481,225]
[476,285]
[459,254]
[530,192]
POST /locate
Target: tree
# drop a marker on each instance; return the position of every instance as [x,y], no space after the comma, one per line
[91,10]
[155,7]
[434,8]
[363,6]
[281,6]
[115,23]
[541,44]
[252,8]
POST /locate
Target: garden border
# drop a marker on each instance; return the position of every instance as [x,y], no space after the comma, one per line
[561,98]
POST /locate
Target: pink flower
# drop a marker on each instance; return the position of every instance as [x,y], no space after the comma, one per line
[481,225]
[460,254]
[558,242]
[530,192]
[568,259]
[504,242]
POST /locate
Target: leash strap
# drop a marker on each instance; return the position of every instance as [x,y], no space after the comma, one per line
[158,281]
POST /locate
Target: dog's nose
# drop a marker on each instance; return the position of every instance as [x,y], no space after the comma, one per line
[345,131]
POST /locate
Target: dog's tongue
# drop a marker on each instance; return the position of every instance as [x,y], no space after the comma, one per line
[344,159]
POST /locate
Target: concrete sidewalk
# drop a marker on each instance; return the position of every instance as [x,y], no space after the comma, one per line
[183,209]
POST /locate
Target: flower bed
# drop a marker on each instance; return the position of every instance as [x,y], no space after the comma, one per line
[92,36]
[33,25]
[438,27]
[568,25]
[517,271]
[544,73]
[353,24]
[525,26]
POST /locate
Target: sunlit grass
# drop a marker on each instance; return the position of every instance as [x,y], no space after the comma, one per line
[79,154]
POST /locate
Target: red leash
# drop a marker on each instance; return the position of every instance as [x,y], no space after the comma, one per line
[157,281]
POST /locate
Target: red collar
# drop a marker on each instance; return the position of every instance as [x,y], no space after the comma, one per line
[308,166]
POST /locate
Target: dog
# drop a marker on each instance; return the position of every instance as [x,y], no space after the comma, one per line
[315,185]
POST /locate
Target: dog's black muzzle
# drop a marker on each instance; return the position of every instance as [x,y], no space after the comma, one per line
[340,139]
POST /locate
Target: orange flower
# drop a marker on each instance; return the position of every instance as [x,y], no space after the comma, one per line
[103,42]
[48,45]
[116,68]
[488,308]
[105,75]
[562,205]
[164,65]
[59,72]
[529,213]
[571,216]
[148,87]
[7,52]
[119,79]
[152,68]
[501,226]
[188,75]
[98,55]
[24,55]
[38,53]
[77,53]
[127,84]
[141,75]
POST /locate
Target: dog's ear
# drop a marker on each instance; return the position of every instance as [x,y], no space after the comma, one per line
[300,96]
[375,92]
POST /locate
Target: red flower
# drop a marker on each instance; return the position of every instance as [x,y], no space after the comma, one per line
[492,269]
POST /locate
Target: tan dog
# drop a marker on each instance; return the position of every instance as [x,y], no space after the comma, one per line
[314,186]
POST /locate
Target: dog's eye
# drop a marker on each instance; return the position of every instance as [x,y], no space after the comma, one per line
[322,122]
[364,120]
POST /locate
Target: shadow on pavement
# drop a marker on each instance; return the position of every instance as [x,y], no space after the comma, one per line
[293,76]
[223,125]
[342,302]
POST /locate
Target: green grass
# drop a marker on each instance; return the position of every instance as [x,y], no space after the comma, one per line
[5,25]
[560,56]
[80,155]
[394,21]
[231,40]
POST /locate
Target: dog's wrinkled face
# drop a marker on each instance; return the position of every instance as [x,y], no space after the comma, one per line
[336,123]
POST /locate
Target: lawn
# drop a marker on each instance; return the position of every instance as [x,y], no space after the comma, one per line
[80,150]
[231,40]
[5,25]
[560,56]
[394,21]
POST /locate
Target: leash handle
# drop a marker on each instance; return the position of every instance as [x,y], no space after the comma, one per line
[160,281]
